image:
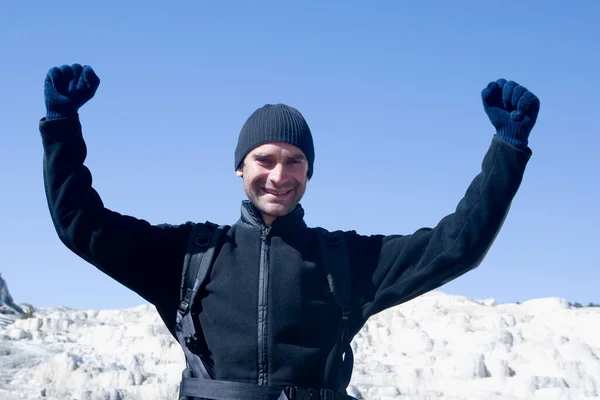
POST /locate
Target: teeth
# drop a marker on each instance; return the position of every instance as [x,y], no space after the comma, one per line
[275,193]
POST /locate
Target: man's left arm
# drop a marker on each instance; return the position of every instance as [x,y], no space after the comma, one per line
[393,269]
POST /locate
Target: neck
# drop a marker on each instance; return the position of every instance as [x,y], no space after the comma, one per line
[268,220]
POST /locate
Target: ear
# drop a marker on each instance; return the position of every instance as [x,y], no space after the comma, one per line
[239,172]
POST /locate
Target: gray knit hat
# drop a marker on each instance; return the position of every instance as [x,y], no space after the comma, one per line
[275,123]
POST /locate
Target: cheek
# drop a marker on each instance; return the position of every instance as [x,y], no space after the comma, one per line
[301,178]
[255,179]
[299,173]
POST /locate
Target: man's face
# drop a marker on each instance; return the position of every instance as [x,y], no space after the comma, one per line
[275,177]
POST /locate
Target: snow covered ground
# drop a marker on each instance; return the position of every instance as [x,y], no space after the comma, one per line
[435,347]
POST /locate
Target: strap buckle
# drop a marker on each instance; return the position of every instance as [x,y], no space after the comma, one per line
[296,393]
[327,394]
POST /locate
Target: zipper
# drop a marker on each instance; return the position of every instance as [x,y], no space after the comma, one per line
[263,280]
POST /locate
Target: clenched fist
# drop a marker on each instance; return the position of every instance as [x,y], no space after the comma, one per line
[68,88]
[512,109]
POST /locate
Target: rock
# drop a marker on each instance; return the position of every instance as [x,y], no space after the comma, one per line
[9,310]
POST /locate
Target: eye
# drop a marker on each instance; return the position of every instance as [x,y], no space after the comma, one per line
[264,161]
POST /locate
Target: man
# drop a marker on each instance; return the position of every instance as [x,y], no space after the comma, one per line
[264,318]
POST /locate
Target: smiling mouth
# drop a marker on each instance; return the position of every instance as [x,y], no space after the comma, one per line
[277,193]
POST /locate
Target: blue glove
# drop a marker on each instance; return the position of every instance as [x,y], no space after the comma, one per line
[68,88]
[512,109]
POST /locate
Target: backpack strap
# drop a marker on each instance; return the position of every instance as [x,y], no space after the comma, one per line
[198,260]
[337,267]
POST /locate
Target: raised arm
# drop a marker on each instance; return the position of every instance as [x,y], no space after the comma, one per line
[389,270]
[143,257]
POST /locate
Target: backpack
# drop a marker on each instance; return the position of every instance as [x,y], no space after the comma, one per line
[196,381]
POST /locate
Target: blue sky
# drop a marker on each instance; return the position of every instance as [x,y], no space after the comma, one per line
[391,90]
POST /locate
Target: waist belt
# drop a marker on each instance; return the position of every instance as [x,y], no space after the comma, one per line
[197,388]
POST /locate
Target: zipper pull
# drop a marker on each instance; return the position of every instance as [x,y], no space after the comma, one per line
[265,233]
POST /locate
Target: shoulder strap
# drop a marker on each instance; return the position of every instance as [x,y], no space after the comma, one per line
[202,242]
[198,260]
[337,267]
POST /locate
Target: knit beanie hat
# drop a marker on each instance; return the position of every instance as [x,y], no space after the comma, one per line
[275,123]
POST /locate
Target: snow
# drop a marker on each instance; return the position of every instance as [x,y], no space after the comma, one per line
[437,346]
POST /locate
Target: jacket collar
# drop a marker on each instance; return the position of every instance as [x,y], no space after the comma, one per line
[251,217]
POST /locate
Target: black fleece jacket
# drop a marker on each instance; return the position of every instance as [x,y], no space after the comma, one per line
[273,325]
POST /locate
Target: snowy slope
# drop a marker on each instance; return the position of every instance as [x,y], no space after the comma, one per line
[435,347]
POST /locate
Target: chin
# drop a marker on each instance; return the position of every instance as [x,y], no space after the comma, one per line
[276,209]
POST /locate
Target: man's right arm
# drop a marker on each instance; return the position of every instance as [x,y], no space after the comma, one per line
[145,258]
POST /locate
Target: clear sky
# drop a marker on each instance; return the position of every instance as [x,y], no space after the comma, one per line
[390,89]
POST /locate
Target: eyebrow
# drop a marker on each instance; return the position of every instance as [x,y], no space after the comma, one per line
[295,156]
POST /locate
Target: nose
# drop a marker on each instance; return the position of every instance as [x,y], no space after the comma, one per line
[278,174]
